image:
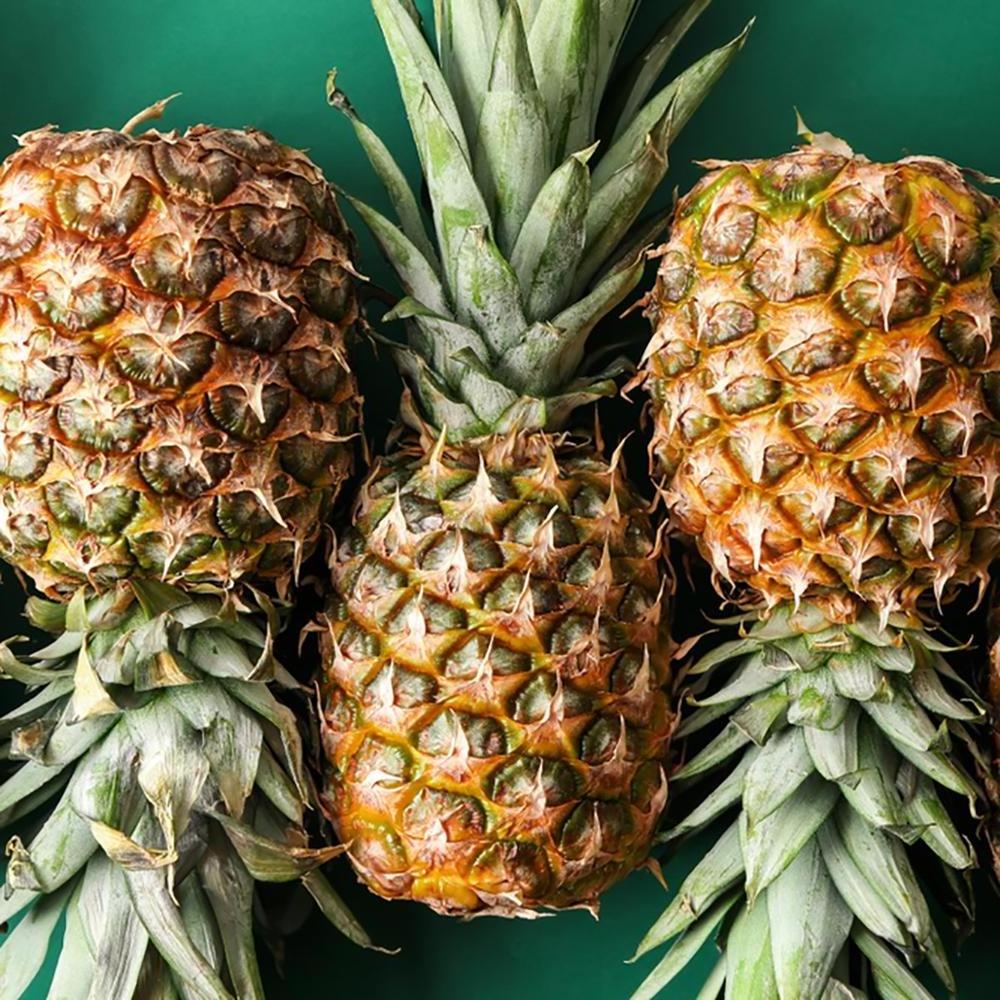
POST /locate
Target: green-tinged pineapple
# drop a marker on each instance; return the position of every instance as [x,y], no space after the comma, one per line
[495,651]
[176,415]
[824,377]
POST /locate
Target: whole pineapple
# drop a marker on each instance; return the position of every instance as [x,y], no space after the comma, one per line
[495,654]
[824,382]
[176,419]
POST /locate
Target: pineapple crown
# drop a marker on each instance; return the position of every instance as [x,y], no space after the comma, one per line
[538,175]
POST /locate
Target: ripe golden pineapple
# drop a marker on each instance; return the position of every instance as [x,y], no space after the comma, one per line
[494,705]
[824,382]
[176,419]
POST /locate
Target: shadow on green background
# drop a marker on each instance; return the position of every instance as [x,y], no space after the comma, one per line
[892,77]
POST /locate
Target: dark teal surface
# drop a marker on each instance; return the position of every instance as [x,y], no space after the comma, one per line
[891,76]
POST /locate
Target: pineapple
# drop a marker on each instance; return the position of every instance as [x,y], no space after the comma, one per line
[824,382]
[494,707]
[176,416]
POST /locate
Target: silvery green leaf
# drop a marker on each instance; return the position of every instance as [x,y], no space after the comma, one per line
[216,653]
[513,120]
[871,790]
[834,752]
[643,237]
[90,698]
[720,869]
[615,18]
[751,677]
[487,294]
[882,861]
[278,788]
[714,982]
[758,718]
[717,752]
[721,798]
[419,74]
[36,706]
[815,700]
[196,911]
[722,653]
[770,845]
[809,922]
[893,980]
[749,970]
[74,970]
[777,771]
[858,676]
[836,990]
[467,37]
[551,240]
[172,769]
[231,739]
[26,673]
[634,89]
[25,947]
[335,910]
[903,720]
[29,803]
[229,889]
[938,958]
[618,202]
[938,765]
[703,717]
[157,598]
[898,658]
[162,918]
[563,40]
[122,943]
[685,949]
[457,201]
[417,276]
[931,693]
[688,90]
[855,889]
[480,388]
[926,812]
[270,861]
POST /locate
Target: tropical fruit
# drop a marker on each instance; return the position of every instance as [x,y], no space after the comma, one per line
[824,384]
[176,419]
[494,704]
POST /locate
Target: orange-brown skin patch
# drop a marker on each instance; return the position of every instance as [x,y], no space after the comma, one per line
[494,704]
[175,396]
[825,377]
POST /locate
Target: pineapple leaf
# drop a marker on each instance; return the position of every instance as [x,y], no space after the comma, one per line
[75,968]
[90,699]
[404,202]
[925,812]
[636,84]
[334,909]
[122,944]
[751,677]
[418,74]
[551,241]
[685,949]
[229,888]
[564,39]
[277,787]
[749,969]
[779,768]
[23,952]
[467,37]
[855,889]
[726,794]
[513,120]
[810,923]
[457,200]
[771,844]
[714,982]
[617,204]
[731,739]
[721,868]
[930,692]
[892,979]
[162,918]
[487,397]
[487,293]
[688,91]
[615,18]
[834,752]
[939,766]
[200,920]
[903,719]
[870,790]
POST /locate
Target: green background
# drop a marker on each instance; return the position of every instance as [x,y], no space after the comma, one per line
[891,76]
